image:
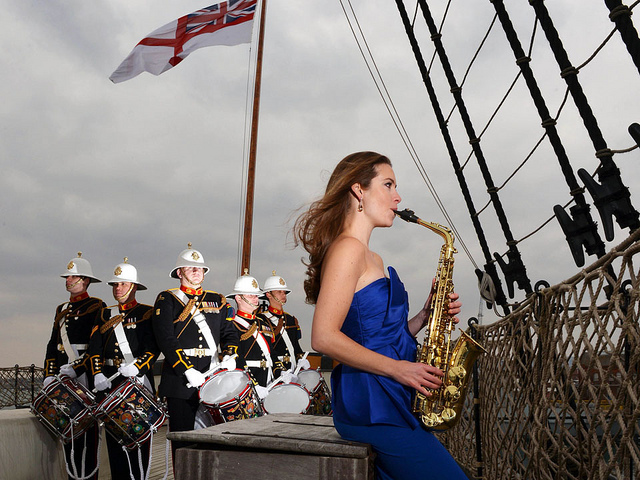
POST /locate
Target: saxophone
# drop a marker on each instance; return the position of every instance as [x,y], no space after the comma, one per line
[441,410]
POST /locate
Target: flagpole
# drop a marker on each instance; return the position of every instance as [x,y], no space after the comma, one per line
[251,171]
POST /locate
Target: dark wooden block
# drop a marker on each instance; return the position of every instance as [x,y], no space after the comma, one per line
[276,446]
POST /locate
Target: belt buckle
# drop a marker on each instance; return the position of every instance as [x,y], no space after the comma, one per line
[117,362]
[263,364]
[199,352]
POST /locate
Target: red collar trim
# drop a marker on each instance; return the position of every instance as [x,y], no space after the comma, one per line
[82,296]
[246,316]
[191,291]
[128,306]
[275,311]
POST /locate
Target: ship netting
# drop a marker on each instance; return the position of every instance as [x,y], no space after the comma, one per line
[558,388]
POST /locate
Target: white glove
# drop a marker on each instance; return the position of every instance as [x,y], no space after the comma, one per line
[47,381]
[195,378]
[288,377]
[68,370]
[101,382]
[129,370]
[304,364]
[228,362]
[261,391]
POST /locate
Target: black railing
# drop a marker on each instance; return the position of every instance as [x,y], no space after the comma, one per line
[20,385]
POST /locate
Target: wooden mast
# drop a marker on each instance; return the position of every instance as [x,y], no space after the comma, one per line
[251,171]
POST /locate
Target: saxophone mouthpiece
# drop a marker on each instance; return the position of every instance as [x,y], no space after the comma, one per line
[407,215]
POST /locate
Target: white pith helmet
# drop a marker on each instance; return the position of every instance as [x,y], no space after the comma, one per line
[125,272]
[81,268]
[275,282]
[245,285]
[189,258]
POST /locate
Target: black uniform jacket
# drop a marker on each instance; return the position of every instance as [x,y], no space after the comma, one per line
[250,349]
[105,355]
[175,331]
[280,320]
[79,316]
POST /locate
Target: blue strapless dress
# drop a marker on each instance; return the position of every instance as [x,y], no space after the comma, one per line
[377,320]
[376,410]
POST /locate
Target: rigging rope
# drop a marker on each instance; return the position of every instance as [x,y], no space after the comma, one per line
[395,117]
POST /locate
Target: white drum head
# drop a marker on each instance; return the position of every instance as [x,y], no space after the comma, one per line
[287,398]
[309,379]
[223,386]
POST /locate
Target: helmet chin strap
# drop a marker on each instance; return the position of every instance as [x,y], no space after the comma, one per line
[254,305]
[75,283]
[273,297]
[122,298]
[191,284]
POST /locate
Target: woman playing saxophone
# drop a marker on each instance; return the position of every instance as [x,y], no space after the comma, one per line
[361,320]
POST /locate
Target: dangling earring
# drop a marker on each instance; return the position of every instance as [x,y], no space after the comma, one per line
[360,205]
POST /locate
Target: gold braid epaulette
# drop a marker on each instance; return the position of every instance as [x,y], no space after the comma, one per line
[187,310]
[249,332]
[93,307]
[112,322]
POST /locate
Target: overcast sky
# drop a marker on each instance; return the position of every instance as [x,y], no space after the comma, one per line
[141,168]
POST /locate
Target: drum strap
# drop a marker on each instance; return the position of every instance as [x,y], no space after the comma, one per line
[285,337]
[262,342]
[201,321]
[123,342]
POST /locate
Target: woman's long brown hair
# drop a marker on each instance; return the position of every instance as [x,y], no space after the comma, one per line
[319,226]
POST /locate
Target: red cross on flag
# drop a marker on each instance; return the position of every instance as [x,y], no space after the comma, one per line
[226,23]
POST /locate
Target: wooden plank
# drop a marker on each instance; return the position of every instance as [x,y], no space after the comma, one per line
[195,463]
[288,432]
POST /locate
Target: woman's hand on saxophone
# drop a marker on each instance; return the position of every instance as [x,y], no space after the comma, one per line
[421,319]
[419,376]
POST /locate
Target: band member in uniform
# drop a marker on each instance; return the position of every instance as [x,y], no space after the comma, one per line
[123,343]
[285,326]
[66,355]
[190,326]
[256,334]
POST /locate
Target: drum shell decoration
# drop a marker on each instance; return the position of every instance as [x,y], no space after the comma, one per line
[64,408]
[313,381]
[131,414]
[228,395]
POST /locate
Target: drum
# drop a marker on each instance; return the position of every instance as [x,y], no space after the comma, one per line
[287,398]
[131,414]
[64,407]
[320,394]
[229,395]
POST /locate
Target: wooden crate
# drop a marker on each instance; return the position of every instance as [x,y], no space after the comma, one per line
[277,446]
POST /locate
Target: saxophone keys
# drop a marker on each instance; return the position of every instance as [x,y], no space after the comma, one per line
[431,419]
[457,373]
[448,414]
[451,394]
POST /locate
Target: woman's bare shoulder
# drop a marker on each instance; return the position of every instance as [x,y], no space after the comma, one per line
[347,245]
